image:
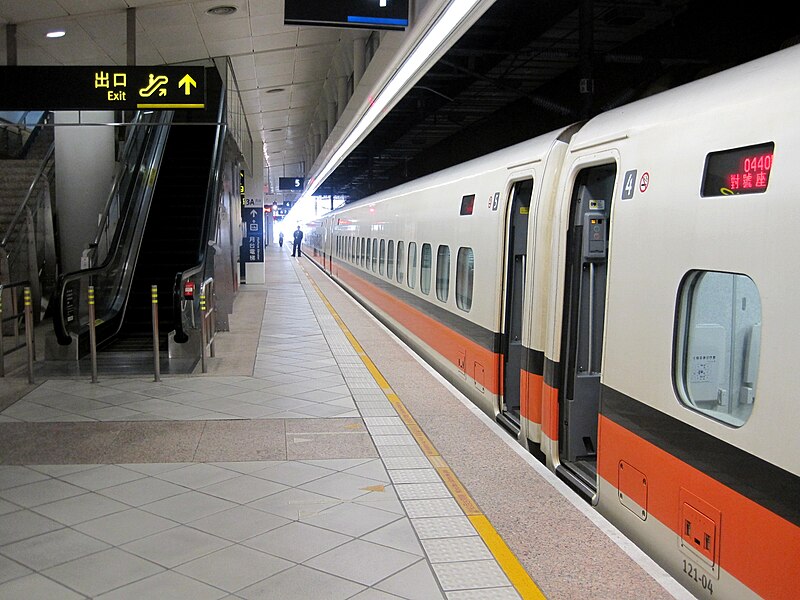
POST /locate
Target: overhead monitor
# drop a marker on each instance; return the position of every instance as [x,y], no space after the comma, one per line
[291,184]
[366,14]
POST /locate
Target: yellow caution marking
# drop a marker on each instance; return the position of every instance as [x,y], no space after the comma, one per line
[142,105]
[505,558]
[513,569]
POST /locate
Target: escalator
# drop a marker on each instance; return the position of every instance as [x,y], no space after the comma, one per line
[165,218]
[172,235]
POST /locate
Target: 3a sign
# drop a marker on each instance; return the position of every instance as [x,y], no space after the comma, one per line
[102,88]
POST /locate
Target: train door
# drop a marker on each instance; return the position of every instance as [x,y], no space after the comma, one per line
[583,323]
[513,351]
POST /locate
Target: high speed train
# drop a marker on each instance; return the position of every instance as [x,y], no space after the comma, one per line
[623,295]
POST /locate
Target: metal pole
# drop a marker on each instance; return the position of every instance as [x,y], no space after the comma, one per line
[29,330]
[2,352]
[203,332]
[92,334]
[156,361]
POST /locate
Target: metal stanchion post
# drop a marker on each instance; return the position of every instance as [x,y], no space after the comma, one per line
[203,332]
[29,331]
[2,352]
[156,357]
[92,334]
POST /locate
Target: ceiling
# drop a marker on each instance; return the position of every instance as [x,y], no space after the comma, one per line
[516,72]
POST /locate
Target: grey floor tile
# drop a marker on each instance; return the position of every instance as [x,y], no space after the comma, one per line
[36,587]
[198,475]
[167,585]
[301,582]
[398,535]
[340,485]
[239,523]
[294,503]
[417,582]
[443,527]
[457,549]
[234,567]
[243,489]
[7,507]
[470,575]
[17,475]
[363,562]
[53,548]
[41,492]
[175,546]
[10,569]
[297,542]
[23,524]
[351,519]
[126,526]
[292,473]
[98,573]
[495,593]
[78,509]
[143,491]
[187,507]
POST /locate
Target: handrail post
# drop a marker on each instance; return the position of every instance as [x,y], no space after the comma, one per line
[156,357]
[92,334]
[2,351]
[29,341]
[203,334]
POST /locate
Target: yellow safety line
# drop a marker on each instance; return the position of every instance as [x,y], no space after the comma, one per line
[511,566]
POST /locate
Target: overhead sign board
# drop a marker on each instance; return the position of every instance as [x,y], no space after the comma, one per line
[102,88]
[289,184]
[367,14]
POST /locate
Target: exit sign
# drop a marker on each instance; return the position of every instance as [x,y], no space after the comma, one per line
[102,88]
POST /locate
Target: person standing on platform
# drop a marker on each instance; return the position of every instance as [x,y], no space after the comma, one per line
[298,238]
[280,239]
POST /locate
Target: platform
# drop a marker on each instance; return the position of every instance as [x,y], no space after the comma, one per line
[318,458]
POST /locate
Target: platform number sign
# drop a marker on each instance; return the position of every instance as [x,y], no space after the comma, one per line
[629,185]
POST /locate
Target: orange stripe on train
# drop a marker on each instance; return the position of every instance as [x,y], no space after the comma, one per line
[754,544]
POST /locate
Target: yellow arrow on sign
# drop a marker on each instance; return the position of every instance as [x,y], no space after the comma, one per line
[187,82]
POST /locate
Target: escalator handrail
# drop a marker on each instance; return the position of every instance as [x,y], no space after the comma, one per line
[137,119]
[115,257]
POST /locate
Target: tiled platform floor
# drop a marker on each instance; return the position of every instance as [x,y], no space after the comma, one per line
[262,486]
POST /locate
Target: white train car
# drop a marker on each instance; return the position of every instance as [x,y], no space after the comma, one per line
[620,294]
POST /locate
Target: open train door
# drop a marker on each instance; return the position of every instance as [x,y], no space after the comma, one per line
[583,324]
[513,351]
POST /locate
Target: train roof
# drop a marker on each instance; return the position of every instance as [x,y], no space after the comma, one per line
[770,78]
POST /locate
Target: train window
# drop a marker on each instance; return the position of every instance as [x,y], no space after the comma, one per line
[369,247]
[425,269]
[465,275]
[412,264]
[443,273]
[400,272]
[382,262]
[374,254]
[718,345]
[390,259]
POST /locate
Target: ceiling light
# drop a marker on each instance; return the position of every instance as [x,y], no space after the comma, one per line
[222,11]
[57,33]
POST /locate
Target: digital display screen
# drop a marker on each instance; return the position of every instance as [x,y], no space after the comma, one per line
[467,204]
[291,183]
[738,171]
[370,14]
